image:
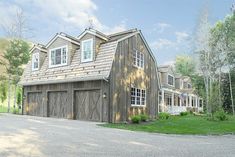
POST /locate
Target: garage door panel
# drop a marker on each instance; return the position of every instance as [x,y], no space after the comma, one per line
[87,105]
[35,106]
[57,102]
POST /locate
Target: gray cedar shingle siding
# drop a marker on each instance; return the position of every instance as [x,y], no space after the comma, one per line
[76,71]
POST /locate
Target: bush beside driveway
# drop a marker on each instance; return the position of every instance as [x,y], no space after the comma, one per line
[188,124]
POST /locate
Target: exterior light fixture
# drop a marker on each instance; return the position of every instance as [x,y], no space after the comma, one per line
[104,95]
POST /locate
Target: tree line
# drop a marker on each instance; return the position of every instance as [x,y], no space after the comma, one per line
[13,58]
[213,72]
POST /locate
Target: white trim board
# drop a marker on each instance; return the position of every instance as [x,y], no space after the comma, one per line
[148,48]
[63,37]
[32,61]
[93,33]
[49,57]
[37,47]
[92,51]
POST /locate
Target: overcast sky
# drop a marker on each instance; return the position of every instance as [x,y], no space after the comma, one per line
[168,25]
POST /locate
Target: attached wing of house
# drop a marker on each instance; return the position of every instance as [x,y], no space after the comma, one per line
[177,94]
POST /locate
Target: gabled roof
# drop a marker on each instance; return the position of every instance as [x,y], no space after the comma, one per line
[65,37]
[98,69]
[135,32]
[39,47]
[93,32]
[165,68]
[119,35]
[177,75]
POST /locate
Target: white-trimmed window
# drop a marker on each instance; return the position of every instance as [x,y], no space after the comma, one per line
[138,97]
[87,50]
[138,59]
[168,100]
[58,56]
[170,80]
[35,61]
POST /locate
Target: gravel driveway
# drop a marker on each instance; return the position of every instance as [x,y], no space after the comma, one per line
[26,136]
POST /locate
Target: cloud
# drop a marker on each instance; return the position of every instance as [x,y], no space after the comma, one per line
[60,15]
[162,44]
[7,12]
[181,36]
[161,27]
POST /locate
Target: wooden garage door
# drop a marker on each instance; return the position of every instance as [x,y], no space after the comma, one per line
[57,104]
[87,105]
[35,106]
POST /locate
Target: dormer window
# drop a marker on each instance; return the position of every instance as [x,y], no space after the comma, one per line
[138,59]
[170,80]
[58,56]
[87,50]
[35,61]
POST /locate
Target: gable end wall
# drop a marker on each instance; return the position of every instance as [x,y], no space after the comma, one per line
[124,75]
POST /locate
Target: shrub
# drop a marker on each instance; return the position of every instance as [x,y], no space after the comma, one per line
[164,115]
[135,119]
[183,113]
[201,112]
[220,115]
[144,117]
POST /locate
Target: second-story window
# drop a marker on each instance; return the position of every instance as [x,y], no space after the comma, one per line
[138,59]
[170,80]
[58,56]
[87,50]
[35,61]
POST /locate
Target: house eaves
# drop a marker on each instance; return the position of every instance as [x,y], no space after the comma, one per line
[64,81]
[93,32]
[147,46]
[63,36]
[39,48]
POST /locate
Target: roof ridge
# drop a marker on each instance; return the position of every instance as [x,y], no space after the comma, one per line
[97,31]
[68,36]
[123,32]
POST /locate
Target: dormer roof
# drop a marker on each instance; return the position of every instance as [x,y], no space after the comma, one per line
[100,68]
[165,68]
[65,37]
[40,47]
[93,32]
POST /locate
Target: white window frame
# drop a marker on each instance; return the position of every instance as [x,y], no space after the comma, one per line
[62,64]
[82,53]
[140,97]
[173,80]
[168,100]
[136,59]
[34,54]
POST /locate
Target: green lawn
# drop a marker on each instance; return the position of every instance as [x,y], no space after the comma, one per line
[3,109]
[182,125]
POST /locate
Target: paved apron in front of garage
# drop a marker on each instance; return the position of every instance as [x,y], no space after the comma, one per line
[27,136]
